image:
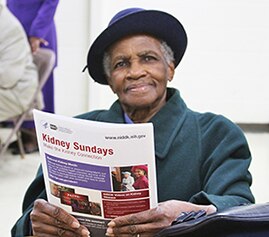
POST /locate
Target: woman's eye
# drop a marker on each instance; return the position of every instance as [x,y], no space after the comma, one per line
[120,64]
[149,58]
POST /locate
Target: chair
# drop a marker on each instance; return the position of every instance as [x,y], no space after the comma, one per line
[44,60]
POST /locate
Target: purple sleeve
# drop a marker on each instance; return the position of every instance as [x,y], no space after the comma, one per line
[44,19]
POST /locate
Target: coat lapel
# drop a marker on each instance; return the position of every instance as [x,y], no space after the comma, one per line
[168,122]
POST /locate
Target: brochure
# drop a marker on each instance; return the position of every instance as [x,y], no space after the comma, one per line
[95,170]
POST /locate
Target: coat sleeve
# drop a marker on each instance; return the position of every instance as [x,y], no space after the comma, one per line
[44,19]
[35,191]
[224,171]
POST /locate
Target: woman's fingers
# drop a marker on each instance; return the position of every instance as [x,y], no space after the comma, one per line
[52,213]
[150,221]
[53,220]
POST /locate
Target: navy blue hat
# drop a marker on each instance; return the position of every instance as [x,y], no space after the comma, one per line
[132,21]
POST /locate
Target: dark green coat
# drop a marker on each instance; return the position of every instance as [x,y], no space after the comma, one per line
[201,158]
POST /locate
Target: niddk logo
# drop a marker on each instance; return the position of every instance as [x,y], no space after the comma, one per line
[53,126]
[47,125]
[44,124]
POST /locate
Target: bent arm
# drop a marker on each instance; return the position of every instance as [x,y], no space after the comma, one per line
[44,19]
[225,175]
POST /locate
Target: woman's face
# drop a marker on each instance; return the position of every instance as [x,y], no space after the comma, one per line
[139,72]
[139,172]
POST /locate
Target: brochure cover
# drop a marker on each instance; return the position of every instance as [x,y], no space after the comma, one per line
[97,171]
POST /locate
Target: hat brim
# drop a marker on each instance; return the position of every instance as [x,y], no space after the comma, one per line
[151,22]
[141,167]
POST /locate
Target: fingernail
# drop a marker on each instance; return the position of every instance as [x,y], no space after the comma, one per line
[85,233]
[111,224]
[109,231]
[75,225]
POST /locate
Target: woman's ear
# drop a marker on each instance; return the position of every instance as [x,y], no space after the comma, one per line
[110,84]
[171,71]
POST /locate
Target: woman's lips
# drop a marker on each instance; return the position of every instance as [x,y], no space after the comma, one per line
[138,87]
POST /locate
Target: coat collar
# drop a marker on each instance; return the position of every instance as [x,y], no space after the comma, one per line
[167,122]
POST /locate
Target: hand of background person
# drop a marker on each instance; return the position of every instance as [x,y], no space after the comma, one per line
[50,220]
[148,222]
[35,43]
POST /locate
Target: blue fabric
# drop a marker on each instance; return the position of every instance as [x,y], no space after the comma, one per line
[127,119]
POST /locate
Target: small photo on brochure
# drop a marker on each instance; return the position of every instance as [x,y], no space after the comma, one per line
[82,205]
[95,208]
[67,196]
[56,189]
[130,178]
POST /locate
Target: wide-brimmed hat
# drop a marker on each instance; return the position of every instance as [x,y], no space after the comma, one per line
[140,167]
[133,21]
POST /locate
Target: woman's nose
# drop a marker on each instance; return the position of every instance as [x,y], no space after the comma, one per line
[135,70]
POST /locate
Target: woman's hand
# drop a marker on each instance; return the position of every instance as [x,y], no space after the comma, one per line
[36,42]
[49,220]
[148,222]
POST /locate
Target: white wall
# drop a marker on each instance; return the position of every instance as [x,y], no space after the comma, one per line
[225,68]
[71,85]
[208,59]
[259,145]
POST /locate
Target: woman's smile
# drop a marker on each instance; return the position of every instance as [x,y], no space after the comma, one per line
[139,87]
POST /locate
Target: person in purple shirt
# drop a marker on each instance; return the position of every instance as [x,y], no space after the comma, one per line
[140,172]
[37,19]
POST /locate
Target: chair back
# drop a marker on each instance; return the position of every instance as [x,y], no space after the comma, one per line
[44,59]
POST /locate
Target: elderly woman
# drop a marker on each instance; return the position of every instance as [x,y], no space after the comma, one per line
[127,181]
[202,160]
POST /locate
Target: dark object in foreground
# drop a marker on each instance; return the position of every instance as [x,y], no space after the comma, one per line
[247,220]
